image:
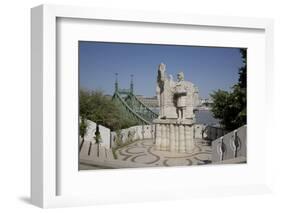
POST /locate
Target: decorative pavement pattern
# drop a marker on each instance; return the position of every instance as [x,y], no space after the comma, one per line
[143,152]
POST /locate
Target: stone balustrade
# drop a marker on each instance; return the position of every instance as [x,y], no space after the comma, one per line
[230,147]
[207,132]
[104,133]
[133,133]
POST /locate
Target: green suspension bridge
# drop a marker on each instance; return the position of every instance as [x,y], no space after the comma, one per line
[134,107]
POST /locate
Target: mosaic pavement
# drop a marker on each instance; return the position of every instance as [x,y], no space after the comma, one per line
[143,152]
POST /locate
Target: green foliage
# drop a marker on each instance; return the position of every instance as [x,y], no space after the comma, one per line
[82,127]
[97,138]
[118,140]
[114,153]
[82,131]
[242,82]
[95,106]
[230,107]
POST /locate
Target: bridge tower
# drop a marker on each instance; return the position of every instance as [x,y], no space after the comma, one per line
[131,104]
[132,85]
[116,82]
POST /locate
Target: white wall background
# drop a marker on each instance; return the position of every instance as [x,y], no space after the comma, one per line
[15,104]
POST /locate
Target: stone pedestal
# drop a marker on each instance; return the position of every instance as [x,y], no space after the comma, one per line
[174,135]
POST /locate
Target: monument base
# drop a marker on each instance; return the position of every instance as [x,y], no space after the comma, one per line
[174,135]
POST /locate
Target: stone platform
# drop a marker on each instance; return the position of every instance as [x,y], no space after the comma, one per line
[174,135]
[142,153]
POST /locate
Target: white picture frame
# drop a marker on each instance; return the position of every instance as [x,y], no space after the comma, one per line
[48,171]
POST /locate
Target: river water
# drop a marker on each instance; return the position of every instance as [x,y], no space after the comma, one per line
[202,116]
[206,117]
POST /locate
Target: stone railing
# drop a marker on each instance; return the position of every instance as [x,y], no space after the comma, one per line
[100,155]
[92,151]
[104,134]
[132,134]
[231,148]
[206,132]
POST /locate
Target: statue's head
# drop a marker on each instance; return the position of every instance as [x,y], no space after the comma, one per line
[180,76]
[162,67]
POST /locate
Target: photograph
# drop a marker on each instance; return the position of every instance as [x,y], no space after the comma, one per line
[161,105]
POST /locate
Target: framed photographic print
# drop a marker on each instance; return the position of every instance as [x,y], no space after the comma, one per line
[149,106]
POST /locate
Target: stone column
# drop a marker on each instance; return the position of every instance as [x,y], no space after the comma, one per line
[181,139]
[158,136]
[172,138]
[188,130]
[168,136]
[176,138]
[192,145]
[163,138]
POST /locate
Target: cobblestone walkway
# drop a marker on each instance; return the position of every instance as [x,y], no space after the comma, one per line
[143,152]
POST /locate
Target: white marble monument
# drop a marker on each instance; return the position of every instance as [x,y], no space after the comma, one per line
[174,126]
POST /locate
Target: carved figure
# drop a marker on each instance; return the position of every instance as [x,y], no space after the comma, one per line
[175,124]
[175,99]
[180,93]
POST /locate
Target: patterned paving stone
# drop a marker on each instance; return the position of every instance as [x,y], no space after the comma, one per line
[143,152]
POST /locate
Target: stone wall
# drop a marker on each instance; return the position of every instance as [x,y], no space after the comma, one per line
[206,132]
[199,131]
[134,133]
[94,152]
[231,146]
[105,134]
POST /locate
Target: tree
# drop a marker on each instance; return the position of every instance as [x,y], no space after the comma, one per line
[230,107]
[242,81]
[82,131]
[97,138]
[95,106]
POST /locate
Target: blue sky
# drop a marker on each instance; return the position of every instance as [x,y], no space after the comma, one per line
[208,68]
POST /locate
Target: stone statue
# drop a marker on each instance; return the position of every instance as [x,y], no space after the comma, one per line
[175,99]
[174,126]
[180,93]
[171,79]
[161,78]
